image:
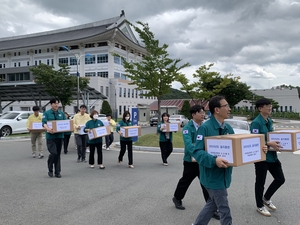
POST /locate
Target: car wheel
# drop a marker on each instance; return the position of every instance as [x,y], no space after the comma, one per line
[182,124]
[151,125]
[6,131]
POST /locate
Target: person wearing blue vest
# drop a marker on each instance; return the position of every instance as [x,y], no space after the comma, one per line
[165,139]
[261,125]
[54,140]
[125,141]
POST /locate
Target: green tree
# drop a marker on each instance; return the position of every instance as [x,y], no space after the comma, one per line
[156,71]
[106,109]
[58,83]
[208,83]
[185,109]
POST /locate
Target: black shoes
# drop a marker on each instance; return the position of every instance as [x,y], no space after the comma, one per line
[216,215]
[178,204]
[58,175]
[50,174]
[78,160]
[83,160]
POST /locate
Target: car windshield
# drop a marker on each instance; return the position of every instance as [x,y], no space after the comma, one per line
[9,116]
[237,125]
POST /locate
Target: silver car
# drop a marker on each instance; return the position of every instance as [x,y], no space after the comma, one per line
[239,126]
[14,122]
[181,119]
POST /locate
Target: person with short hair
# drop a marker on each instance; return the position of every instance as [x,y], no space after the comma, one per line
[79,120]
[34,135]
[95,143]
[109,139]
[54,140]
[262,124]
[165,139]
[125,141]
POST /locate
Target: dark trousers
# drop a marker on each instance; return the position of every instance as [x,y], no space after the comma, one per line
[109,139]
[261,169]
[123,150]
[66,142]
[81,141]
[92,153]
[190,172]
[54,148]
[166,149]
[217,200]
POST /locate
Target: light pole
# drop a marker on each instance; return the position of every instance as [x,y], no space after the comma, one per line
[115,86]
[77,73]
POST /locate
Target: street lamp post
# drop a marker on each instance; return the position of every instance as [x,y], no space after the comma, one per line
[77,73]
[115,109]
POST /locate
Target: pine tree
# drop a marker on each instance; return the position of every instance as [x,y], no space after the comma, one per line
[106,109]
[185,109]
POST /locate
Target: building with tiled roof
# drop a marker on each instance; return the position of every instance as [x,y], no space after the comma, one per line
[91,46]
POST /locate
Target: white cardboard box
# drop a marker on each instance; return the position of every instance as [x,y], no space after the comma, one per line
[289,139]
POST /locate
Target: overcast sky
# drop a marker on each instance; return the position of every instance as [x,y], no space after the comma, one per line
[258,40]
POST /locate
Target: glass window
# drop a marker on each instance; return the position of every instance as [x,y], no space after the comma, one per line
[15,64]
[52,62]
[90,59]
[19,63]
[102,58]
[73,61]
[124,93]
[101,89]
[117,60]
[63,61]
[136,93]
[24,115]
[122,61]
[120,92]
[123,76]
[128,93]
[132,95]
[291,108]
[141,94]
[48,62]
[103,74]
[106,91]
[285,108]
[116,75]
[124,107]
[90,74]
[120,110]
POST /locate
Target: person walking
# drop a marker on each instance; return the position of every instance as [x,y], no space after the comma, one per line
[109,139]
[95,143]
[54,140]
[35,137]
[67,136]
[215,174]
[262,124]
[125,141]
[80,120]
[165,138]
[190,166]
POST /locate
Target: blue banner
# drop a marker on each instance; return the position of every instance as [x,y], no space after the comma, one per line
[134,120]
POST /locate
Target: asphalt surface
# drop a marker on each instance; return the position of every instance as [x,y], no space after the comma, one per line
[123,196]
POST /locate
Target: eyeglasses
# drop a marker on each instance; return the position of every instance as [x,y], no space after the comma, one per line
[268,106]
[201,113]
[227,106]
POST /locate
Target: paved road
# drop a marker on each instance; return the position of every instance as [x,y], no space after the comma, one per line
[123,196]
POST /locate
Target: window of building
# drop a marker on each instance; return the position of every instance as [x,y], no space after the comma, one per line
[116,75]
[2,77]
[27,63]
[291,108]
[106,91]
[73,61]
[117,60]
[63,61]
[18,76]
[120,110]
[19,64]
[48,50]
[90,74]
[285,108]
[15,54]
[136,93]
[91,45]
[24,116]
[40,51]
[3,55]
[35,63]
[281,108]
[128,93]
[124,93]
[132,95]
[122,61]
[124,107]
[15,64]
[90,59]
[123,76]
[120,92]
[103,74]
[102,58]
[0,66]
[40,61]
[48,62]
[35,51]
[101,89]
[52,62]
[19,53]
[141,94]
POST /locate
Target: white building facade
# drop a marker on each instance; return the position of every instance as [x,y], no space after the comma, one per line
[94,44]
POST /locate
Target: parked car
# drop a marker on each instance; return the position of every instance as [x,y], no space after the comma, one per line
[14,122]
[239,126]
[103,118]
[153,120]
[179,119]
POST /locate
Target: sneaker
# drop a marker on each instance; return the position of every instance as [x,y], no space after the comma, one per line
[87,150]
[166,164]
[92,166]
[41,156]
[269,204]
[33,155]
[178,204]
[107,149]
[263,211]
[104,146]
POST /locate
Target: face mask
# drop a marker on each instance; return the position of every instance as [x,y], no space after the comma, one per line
[95,116]
[126,118]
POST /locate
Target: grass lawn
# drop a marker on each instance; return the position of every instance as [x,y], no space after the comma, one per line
[152,140]
[19,135]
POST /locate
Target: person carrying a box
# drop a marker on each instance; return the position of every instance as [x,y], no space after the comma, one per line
[79,120]
[67,136]
[54,140]
[190,166]
[125,141]
[262,124]
[95,143]
[34,135]
[109,139]
[165,138]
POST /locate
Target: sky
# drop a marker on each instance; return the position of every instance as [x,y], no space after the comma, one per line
[257,40]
